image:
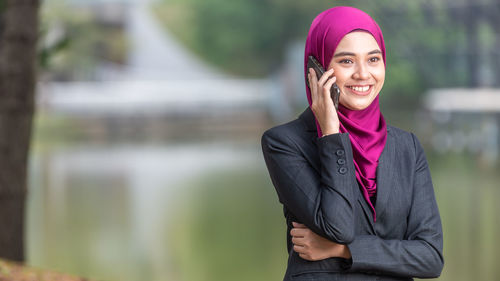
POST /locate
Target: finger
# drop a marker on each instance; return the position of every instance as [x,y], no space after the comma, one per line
[312,73]
[297,232]
[298,241]
[325,76]
[316,96]
[313,83]
[328,86]
[330,82]
[299,225]
[306,257]
[298,249]
[320,95]
[312,76]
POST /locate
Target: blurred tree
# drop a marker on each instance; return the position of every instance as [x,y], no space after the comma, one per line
[18,37]
[245,37]
[431,43]
[76,40]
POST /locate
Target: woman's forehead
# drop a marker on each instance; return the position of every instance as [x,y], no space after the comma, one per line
[357,42]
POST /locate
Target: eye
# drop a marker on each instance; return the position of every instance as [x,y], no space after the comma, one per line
[374,59]
[346,61]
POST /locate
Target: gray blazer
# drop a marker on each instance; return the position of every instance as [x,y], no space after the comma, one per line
[316,183]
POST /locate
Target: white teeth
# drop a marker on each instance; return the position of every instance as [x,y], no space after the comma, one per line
[360,89]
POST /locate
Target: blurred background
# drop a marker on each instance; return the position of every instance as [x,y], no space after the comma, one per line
[145,159]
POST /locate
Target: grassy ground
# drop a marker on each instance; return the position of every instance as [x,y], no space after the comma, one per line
[10,271]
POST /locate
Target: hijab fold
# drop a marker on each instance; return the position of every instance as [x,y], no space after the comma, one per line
[367,128]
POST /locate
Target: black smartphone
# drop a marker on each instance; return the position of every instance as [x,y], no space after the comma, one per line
[334,91]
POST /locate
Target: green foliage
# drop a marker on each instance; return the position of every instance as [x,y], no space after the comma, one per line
[426,40]
[46,53]
[240,36]
[73,43]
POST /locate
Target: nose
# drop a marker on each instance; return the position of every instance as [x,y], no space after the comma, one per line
[361,72]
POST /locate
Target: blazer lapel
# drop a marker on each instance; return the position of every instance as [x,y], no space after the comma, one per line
[385,175]
[366,209]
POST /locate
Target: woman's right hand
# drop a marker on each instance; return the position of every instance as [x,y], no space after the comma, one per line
[312,247]
[322,103]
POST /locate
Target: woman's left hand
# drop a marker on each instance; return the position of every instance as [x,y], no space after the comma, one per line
[312,247]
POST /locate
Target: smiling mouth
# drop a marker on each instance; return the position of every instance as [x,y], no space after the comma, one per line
[360,90]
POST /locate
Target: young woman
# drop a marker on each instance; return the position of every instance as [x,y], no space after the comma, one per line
[357,193]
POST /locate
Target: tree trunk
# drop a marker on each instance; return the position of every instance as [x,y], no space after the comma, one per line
[19,30]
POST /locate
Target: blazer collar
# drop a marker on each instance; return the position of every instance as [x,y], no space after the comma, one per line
[308,118]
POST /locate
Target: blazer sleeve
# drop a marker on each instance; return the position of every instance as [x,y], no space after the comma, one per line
[420,254]
[323,201]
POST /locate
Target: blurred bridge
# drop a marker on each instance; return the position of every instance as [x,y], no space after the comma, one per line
[460,120]
[161,78]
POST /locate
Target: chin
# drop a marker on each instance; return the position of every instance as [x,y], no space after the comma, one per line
[357,105]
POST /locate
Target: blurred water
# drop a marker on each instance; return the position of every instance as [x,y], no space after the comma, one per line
[467,191]
[108,211]
[189,210]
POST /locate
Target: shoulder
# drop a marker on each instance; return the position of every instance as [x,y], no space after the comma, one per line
[404,140]
[399,134]
[287,132]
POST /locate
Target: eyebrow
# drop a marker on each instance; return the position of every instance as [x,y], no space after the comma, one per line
[341,54]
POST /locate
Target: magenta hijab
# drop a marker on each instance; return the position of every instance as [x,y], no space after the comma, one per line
[367,128]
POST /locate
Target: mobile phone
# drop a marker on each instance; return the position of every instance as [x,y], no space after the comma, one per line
[334,91]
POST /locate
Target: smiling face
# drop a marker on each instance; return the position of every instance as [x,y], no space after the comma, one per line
[359,68]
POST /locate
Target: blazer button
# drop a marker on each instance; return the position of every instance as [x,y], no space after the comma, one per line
[341,161]
[343,170]
[340,152]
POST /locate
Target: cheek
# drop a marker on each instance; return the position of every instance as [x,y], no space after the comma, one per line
[341,75]
[379,75]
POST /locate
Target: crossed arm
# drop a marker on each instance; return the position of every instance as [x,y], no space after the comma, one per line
[323,202]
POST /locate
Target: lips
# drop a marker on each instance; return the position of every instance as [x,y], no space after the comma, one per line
[362,90]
